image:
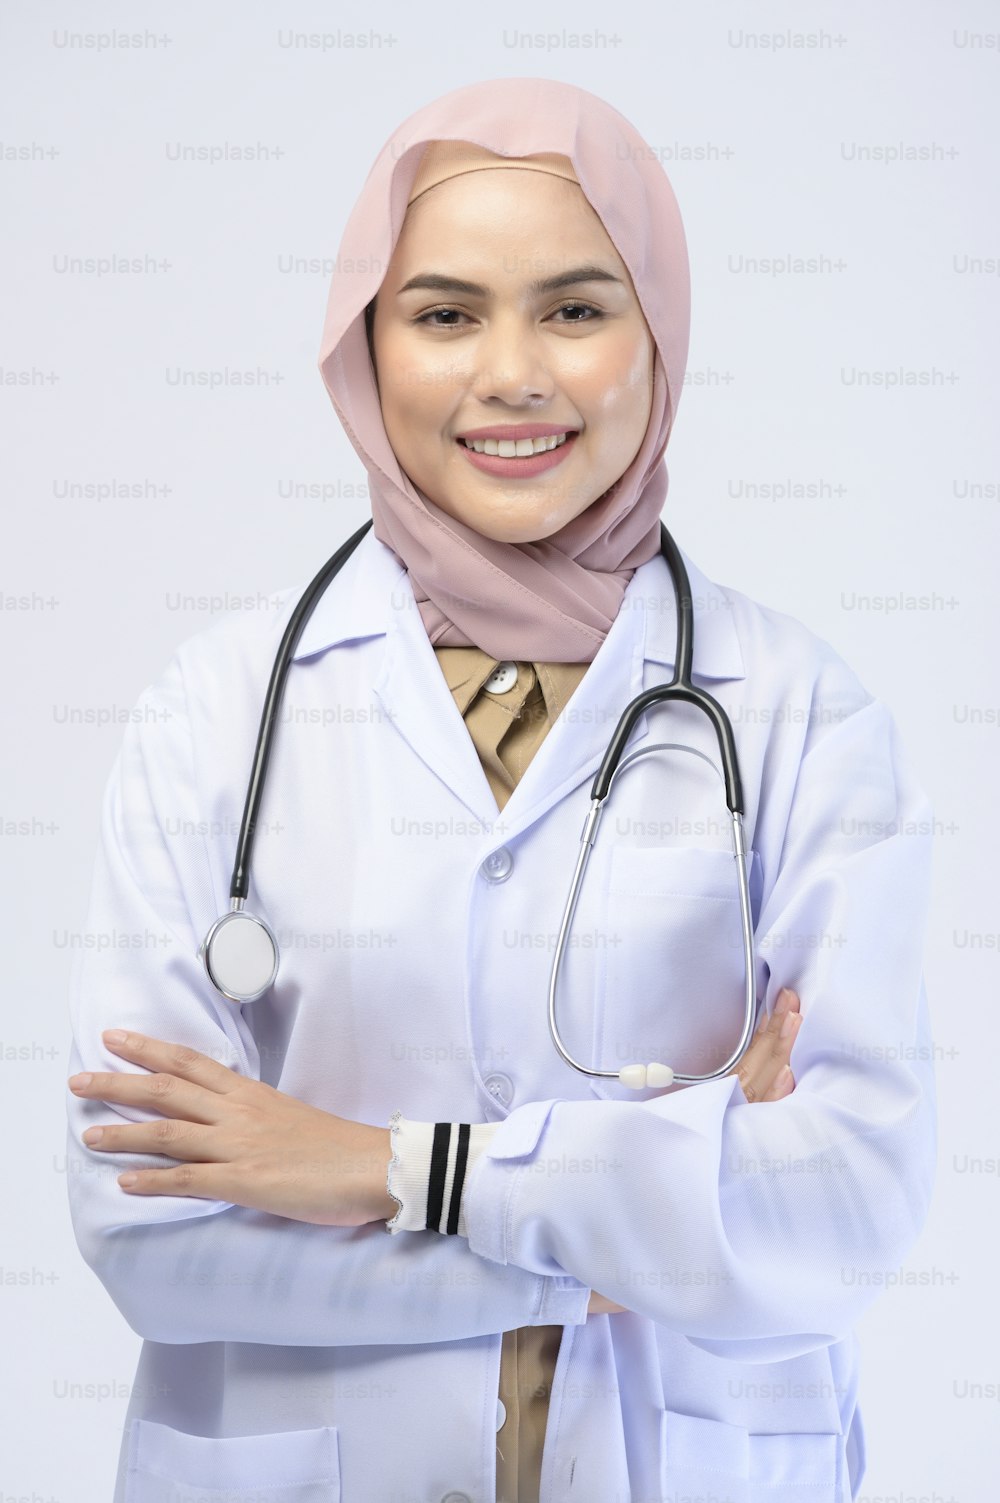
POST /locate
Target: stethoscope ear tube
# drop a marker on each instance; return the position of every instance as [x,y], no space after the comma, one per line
[679,687]
[659,694]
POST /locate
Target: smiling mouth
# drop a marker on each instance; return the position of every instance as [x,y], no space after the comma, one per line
[520,448]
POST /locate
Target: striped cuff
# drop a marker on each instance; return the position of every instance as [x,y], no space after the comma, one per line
[430,1164]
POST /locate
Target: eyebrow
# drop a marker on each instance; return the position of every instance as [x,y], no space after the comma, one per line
[432,281]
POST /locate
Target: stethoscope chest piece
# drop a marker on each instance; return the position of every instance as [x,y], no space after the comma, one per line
[240,954]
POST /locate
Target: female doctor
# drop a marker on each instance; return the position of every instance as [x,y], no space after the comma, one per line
[590,1291]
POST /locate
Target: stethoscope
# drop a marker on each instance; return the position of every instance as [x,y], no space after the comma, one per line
[240,951]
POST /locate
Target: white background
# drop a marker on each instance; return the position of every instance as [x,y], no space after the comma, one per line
[770,151]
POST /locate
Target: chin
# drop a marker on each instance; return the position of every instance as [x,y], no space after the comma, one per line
[525,533]
[511,529]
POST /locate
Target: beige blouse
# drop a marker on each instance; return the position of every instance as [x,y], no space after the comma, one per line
[507,729]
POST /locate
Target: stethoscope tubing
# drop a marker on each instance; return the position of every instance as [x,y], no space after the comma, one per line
[680,687]
[240,884]
[258,941]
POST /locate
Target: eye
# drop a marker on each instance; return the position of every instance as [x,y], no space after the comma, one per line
[435,313]
[587,307]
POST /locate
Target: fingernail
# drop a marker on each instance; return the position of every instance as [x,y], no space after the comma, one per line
[79,1082]
[115,1036]
[784,999]
[784,1076]
[790,1021]
[93,1135]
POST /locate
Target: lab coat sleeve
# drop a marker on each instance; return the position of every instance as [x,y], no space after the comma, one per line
[185,1269]
[762,1231]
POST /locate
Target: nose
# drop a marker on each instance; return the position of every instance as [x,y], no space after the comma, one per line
[511,364]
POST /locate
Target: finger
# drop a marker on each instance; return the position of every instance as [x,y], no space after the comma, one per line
[160,1093]
[781,1044]
[784,1085]
[770,1025]
[182,1086]
[785,999]
[779,1036]
[749,1090]
[175,1059]
[173,1139]
[186,1179]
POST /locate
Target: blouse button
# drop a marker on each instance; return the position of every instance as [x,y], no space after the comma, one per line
[503,677]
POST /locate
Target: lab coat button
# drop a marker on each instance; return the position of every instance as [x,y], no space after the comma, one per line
[497,866]
[503,678]
[501,1086]
[456,1498]
[501,1414]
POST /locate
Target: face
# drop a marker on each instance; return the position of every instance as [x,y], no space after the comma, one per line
[467,336]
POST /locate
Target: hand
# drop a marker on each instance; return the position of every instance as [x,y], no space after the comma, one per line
[764,1071]
[242,1140]
[761,1074]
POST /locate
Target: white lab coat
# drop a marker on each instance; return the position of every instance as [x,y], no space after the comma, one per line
[307,1364]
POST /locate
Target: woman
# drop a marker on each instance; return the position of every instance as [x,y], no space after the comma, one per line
[660,1284]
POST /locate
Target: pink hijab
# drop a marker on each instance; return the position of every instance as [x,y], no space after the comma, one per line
[553,600]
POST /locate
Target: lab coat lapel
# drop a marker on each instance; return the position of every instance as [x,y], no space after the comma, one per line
[419,704]
[639,647]
[374,595]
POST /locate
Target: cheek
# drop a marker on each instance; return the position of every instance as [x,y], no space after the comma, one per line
[418,382]
[619,385]
[409,401]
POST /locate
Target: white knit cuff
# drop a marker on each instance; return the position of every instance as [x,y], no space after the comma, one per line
[430,1164]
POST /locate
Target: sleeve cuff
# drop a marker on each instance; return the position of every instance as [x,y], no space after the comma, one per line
[430,1164]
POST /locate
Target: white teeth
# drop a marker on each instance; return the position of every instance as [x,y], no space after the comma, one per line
[509,448]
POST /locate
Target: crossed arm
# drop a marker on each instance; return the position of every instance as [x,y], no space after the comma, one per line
[178,1253]
[245,1142]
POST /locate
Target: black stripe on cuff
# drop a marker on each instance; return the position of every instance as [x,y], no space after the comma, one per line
[439,1168]
[461,1155]
[437,1179]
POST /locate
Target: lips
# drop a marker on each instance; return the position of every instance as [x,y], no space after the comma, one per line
[512,467]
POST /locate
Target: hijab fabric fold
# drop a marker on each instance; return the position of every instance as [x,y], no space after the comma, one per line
[553,600]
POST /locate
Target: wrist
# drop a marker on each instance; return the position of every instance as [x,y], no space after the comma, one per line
[381,1204]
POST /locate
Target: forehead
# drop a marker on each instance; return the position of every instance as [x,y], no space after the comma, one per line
[508,210]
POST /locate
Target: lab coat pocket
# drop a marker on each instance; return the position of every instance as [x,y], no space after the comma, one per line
[670,985]
[706,1459]
[288,1466]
